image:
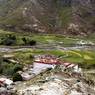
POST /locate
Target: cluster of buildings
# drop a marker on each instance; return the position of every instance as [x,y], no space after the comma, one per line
[50,61]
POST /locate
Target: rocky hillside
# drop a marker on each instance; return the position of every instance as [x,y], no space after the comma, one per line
[61,16]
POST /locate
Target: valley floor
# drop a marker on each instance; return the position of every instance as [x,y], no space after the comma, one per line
[19,56]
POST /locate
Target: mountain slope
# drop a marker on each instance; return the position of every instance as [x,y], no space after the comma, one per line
[62,16]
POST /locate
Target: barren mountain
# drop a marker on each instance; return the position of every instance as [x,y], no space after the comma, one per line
[53,16]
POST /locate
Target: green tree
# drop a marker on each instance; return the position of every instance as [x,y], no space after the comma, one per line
[17,77]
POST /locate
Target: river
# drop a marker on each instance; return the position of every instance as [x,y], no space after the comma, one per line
[43,47]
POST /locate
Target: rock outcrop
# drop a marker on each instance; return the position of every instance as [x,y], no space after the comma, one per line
[58,87]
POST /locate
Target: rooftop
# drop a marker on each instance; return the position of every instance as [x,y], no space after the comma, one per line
[47,59]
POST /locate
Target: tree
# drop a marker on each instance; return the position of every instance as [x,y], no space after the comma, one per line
[29,41]
[17,77]
[24,40]
[17,67]
[32,42]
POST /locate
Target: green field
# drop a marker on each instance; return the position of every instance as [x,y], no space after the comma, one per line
[83,57]
[50,39]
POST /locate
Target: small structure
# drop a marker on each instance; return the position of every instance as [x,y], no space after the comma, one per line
[26,76]
[71,65]
[47,59]
[38,68]
[44,62]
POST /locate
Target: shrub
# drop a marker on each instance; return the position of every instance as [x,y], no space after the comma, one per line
[17,67]
[17,77]
[24,40]
[7,68]
[28,41]
[32,42]
[9,40]
[1,69]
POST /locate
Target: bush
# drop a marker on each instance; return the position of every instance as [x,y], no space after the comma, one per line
[9,68]
[1,69]
[8,40]
[17,67]
[24,40]
[17,77]
[32,42]
[29,41]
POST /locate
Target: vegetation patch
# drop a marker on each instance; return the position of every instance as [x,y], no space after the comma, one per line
[84,58]
[15,40]
[30,39]
[9,69]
